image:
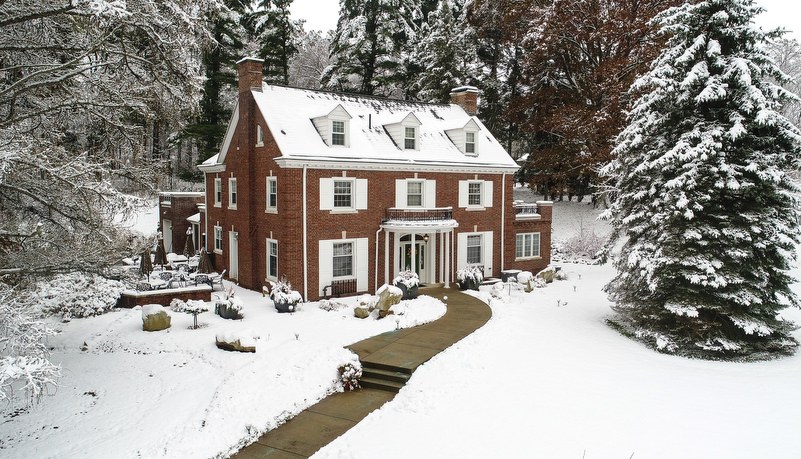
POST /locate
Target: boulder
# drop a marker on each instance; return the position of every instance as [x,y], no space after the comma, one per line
[239,341]
[388,296]
[361,313]
[155,318]
[547,274]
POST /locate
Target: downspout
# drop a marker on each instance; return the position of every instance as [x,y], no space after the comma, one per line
[376,258]
[206,213]
[503,218]
[305,243]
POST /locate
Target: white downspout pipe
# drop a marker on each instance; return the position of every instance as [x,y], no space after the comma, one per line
[503,219]
[305,242]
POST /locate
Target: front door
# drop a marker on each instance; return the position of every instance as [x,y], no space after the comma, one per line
[233,260]
[419,265]
[167,233]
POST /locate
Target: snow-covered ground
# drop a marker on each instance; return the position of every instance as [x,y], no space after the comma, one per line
[544,378]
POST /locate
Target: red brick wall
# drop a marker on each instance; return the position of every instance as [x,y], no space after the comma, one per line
[181,207]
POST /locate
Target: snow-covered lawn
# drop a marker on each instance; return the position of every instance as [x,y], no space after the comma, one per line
[130,393]
[544,378]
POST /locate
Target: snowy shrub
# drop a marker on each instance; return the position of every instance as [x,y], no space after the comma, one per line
[585,246]
[229,307]
[408,278]
[77,295]
[470,277]
[24,364]
[193,307]
[331,305]
[350,373]
[284,298]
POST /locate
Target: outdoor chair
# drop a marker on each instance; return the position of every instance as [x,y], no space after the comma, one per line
[166,277]
[218,280]
[143,287]
[203,279]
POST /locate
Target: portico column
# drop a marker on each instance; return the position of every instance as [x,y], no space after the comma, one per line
[441,257]
[386,256]
[447,236]
[414,251]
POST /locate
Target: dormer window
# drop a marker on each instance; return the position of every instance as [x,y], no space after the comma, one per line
[410,138]
[338,133]
[470,143]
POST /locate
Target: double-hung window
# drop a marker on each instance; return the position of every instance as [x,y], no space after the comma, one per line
[217,192]
[343,194]
[272,193]
[474,249]
[342,259]
[232,193]
[414,194]
[474,193]
[470,142]
[409,138]
[218,239]
[527,245]
[272,259]
[337,133]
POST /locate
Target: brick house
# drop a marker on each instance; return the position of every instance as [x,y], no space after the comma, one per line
[342,189]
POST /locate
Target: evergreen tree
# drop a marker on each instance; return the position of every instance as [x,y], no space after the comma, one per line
[367,45]
[705,212]
[445,53]
[277,36]
[219,65]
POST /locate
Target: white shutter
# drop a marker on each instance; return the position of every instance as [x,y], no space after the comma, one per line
[486,257]
[326,263]
[431,194]
[326,194]
[461,250]
[400,193]
[361,194]
[362,264]
[487,198]
[463,190]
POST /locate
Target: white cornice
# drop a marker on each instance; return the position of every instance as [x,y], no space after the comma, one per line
[385,165]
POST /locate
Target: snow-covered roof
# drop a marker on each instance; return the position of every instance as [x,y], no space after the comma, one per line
[289,113]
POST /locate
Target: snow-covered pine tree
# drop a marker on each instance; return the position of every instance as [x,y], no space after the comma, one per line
[367,43]
[705,214]
[277,36]
[445,53]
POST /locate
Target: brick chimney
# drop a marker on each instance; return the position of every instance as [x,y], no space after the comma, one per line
[466,97]
[250,74]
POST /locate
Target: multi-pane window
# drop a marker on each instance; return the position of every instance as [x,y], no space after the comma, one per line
[342,194]
[470,142]
[337,133]
[409,138]
[343,259]
[232,192]
[272,193]
[272,259]
[527,245]
[218,239]
[474,249]
[414,194]
[217,191]
[474,193]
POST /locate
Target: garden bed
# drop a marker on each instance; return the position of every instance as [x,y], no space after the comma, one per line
[131,298]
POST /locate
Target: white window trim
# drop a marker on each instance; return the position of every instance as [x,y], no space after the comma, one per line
[361,250]
[358,191]
[231,193]
[218,231]
[475,143]
[271,209]
[259,136]
[269,277]
[413,137]
[345,126]
[342,209]
[538,247]
[218,192]
[486,195]
[480,205]
[487,251]
[352,274]
[422,194]
[481,260]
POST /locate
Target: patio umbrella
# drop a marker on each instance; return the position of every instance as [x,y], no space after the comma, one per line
[145,265]
[161,254]
[204,266]
[189,247]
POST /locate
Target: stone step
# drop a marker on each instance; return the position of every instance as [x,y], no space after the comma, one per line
[382,366]
[382,384]
[387,375]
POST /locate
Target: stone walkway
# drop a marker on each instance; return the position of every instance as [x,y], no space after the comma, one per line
[398,351]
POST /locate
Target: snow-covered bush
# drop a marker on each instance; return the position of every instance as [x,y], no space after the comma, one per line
[470,277]
[193,307]
[331,305]
[24,364]
[229,307]
[283,296]
[584,246]
[77,295]
[350,373]
[408,278]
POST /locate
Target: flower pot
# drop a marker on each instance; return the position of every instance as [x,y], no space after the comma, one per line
[226,312]
[468,284]
[285,306]
[408,293]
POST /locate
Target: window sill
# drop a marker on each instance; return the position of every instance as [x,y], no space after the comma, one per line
[272,210]
[231,207]
[528,258]
[217,204]
[475,208]
[344,211]
[219,252]
[260,144]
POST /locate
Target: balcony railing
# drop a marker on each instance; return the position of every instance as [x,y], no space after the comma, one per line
[420,215]
[524,210]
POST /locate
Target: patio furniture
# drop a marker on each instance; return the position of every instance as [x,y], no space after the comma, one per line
[218,280]
[203,279]
[143,287]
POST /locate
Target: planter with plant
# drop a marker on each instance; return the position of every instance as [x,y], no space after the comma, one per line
[284,298]
[408,281]
[469,277]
